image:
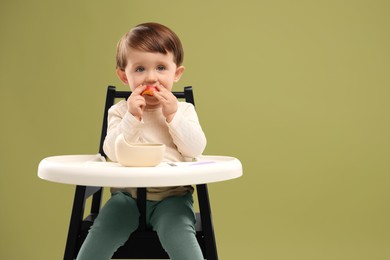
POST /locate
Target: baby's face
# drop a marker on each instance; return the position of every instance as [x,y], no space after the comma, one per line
[151,68]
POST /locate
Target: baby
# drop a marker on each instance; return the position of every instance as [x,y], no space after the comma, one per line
[149,58]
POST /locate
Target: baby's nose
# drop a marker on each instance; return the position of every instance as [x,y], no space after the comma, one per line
[151,77]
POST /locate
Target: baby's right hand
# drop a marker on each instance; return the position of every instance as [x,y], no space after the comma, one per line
[136,102]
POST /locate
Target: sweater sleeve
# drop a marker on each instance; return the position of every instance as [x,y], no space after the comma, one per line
[186,132]
[120,121]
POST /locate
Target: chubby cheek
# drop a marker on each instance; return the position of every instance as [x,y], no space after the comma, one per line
[166,85]
[131,81]
[133,85]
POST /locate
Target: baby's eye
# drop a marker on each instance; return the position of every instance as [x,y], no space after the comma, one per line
[160,67]
[140,69]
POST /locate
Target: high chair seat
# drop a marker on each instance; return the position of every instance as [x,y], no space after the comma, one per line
[143,243]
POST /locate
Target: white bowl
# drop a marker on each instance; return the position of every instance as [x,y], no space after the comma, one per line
[138,155]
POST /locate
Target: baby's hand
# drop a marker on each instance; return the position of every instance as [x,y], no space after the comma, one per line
[136,102]
[168,102]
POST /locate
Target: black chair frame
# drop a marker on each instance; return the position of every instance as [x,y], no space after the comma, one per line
[143,243]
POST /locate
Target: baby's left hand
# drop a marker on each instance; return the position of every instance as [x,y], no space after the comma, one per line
[168,102]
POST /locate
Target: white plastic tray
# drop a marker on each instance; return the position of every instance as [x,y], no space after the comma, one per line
[93,170]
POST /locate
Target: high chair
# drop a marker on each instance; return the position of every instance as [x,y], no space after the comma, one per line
[143,243]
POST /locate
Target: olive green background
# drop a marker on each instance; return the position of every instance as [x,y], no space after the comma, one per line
[297,90]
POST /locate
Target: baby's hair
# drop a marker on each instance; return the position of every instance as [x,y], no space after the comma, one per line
[149,37]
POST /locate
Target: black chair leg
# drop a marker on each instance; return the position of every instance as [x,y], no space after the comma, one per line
[96,202]
[141,203]
[75,222]
[207,224]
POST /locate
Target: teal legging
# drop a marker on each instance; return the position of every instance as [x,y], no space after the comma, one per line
[173,218]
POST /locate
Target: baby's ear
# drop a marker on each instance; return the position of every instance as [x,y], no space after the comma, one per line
[178,73]
[122,76]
